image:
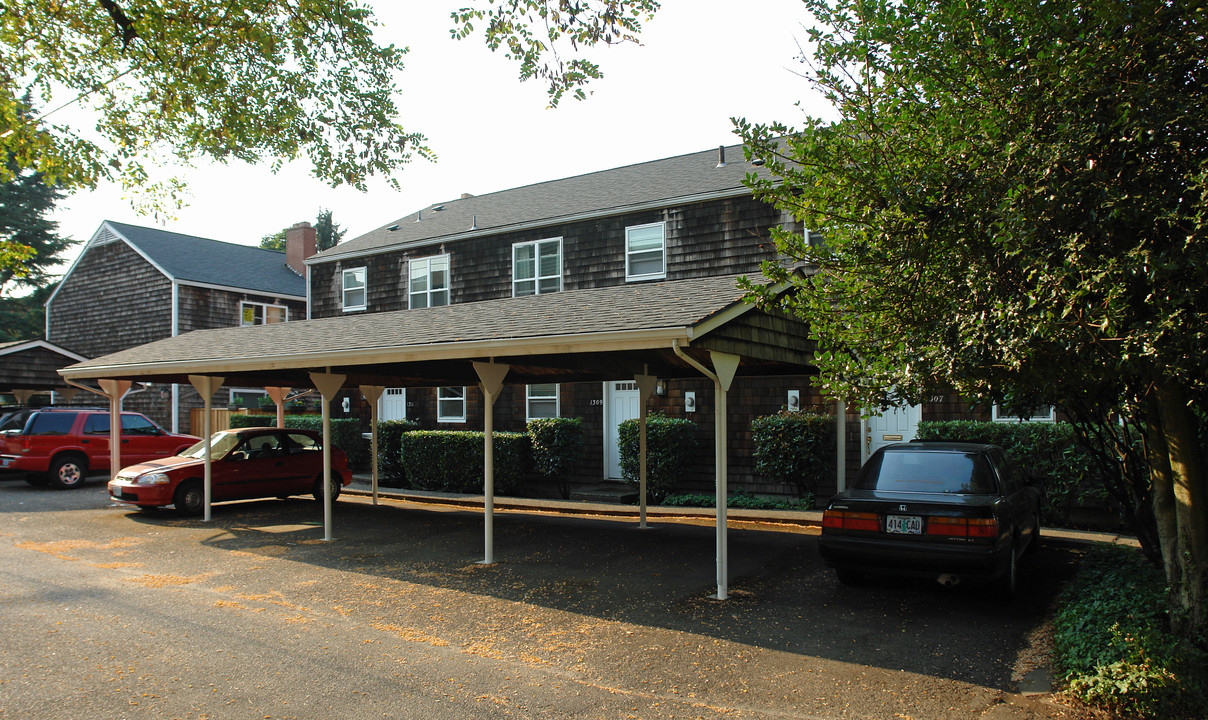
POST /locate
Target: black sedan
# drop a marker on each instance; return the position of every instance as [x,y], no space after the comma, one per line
[951,511]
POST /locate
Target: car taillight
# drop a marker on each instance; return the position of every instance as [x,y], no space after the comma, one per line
[844,520]
[963,527]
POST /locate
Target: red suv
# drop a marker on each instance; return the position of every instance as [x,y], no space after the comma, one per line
[59,446]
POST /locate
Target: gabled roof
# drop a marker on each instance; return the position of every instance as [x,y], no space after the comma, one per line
[549,333]
[191,259]
[653,184]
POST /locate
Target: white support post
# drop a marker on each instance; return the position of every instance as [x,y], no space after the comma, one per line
[491,377]
[645,389]
[205,386]
[278,395]
[372,394]
[725,366]
[115,390]
[328,384]
[841,444]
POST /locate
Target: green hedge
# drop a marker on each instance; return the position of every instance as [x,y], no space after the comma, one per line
[452,460]
[795,449]
[557,446]
[1111,647]
[670,446]
[392,471]
[1050,450]
[345,432]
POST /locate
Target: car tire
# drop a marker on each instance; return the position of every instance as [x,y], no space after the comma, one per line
[1009,583]
[189,498]
[847,576]
[67,471]
[336,485]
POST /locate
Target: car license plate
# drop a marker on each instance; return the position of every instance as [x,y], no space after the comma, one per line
[904,524]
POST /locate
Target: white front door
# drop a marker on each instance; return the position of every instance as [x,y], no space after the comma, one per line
[393,404]
[898,424]
[624,403]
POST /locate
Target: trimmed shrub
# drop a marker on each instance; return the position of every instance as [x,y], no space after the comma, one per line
[1111,647]
[795,449]
[452,460]
[392,470]
[1050,450]
[345,432]
[739,500]
[557,446]
[670,444]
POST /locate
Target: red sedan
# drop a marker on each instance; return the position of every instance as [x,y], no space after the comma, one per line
[245,463]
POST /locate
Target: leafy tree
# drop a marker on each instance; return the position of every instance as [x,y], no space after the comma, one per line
[329,233]
[252,80]
[24,317]
[276,241]
[1012,203]
[29,243]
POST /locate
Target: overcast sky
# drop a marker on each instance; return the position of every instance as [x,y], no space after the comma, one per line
[702,62]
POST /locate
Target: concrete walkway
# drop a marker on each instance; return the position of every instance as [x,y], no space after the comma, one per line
[796,518]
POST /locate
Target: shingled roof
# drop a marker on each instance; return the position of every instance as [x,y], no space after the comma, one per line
[656,183]
[609,319]
[192,259]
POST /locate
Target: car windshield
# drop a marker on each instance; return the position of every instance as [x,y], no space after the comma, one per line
[221,443]
[927,472]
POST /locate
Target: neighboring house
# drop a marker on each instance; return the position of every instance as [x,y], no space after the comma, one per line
[132,285]
[30,367]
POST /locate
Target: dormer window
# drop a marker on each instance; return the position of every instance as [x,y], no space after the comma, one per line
[645,252]
[355,289]
[429,282]
[537,267]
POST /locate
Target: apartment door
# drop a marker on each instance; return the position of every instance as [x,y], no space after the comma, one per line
[898,424]
[393,404]
[624,403]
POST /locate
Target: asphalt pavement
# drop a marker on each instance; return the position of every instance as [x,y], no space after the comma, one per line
[108,612]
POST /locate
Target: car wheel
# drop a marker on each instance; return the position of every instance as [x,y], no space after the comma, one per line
[336,484]
[189,498]
[848,576]
[1010,577]
[67,471]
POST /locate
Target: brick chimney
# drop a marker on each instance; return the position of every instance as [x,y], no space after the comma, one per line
[301,241]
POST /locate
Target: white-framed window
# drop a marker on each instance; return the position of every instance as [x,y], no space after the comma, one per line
[646,252]
[541,401]
[428,284]
[537,267]
[1040,414]
[253,313]
[355,291]
[451,404]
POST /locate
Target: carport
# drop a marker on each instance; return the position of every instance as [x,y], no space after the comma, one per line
[28,367]
[672,329]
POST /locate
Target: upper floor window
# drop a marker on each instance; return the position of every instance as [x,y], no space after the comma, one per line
[542,400]
[451,404]
[645,252]
[251,313]
[355,289]
[537,267]
[429,282]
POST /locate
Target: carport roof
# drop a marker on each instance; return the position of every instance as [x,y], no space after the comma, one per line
[596,333]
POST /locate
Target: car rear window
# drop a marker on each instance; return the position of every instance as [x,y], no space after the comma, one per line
[46,423]
[929,472]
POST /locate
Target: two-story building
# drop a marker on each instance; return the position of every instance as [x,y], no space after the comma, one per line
[132,285]
[675,219]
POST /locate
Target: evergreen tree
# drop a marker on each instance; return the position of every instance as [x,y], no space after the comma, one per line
[329,233]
